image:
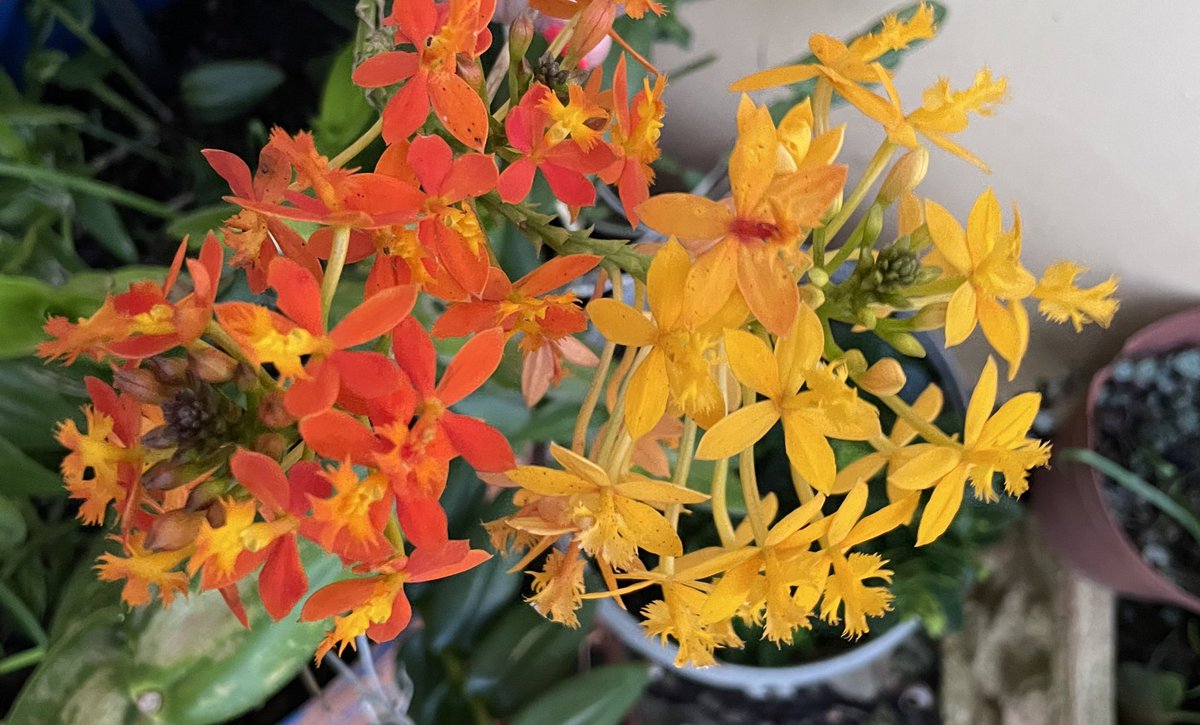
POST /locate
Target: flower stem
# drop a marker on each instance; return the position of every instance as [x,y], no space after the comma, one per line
[683,468]
[579,439]
[720,503]
[874,168]
[822,102]
[928,430]
[333,269]
[359,144]
[750,483]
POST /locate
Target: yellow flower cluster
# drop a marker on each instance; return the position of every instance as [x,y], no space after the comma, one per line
[730,335]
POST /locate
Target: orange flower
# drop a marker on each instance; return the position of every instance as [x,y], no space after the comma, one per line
[376,605]
[439,35]
[142,322]
[109,452]
[142,569]
[752,246]
[564,163]
[635,139]
[546,321]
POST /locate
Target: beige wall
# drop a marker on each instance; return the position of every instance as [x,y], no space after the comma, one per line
[1099,142]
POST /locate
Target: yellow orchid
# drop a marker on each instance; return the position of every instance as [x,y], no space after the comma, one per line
[946,111]
[750,241]
[992,443]
[680,335]
[615,518]
[890,450]
[798,148]
[828,407]
[1060,300]
[988,258]
[847,68]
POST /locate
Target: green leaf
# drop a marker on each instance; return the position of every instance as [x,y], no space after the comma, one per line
[72,182]
[99,218]
[25,303]
[12,524]
[196,224]
[224,90]
[1147,696]
[20,475]
[32,398]
[458,608]
[522,655]
[344,113]
[599,697]
[194,655]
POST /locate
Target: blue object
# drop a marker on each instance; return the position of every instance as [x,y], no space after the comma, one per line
[15,32]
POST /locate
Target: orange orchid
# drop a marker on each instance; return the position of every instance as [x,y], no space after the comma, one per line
[283,339]
[439,34]
[753,245]
[546,322]
[376,605]
[143,568]
[564,163]
[635,139]
[104,463]
[143,321]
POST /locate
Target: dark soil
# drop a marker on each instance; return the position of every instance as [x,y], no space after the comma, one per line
[1147,419]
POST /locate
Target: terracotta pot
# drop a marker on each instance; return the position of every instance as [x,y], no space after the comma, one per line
[1069,501]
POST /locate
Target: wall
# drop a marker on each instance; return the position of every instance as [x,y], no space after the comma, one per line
[1099,142]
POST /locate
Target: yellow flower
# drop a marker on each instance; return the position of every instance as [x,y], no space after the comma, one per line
[558,588]
[988,258]
[847,68]
[680,335]
[946,111]
[797,147]
[143,568]
[615,518]
[828,407]
[749,242]
[992,443]
[99,453]
[1060,300]
[890,451]
[677,615]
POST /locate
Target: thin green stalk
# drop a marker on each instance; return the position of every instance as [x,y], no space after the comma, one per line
[333,269]
[360,144]
[720,503]
[22,617]
[590,401]
[875,168]
[749,478]
[21,660]
[1135,483]
[117,195]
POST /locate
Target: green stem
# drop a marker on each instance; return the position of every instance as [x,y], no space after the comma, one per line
[35,174]
[22,616]
[720,503]
[927,430]
[750,483]
[333,270]
[874,168]
[21,660]
[1135,483]
[360,144]
[579,438]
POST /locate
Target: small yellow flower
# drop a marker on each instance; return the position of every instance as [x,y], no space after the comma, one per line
[945,111]
[1060,300]
[994,283]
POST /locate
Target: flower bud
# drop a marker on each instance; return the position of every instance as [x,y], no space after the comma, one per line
[812,296]
[818,276]
[204,495]
[244,377]
[904,175]
[930,317]
[520,37]
[885,377]
[142,385]
[272,412]
[873,225]
[167,370]
[856,362]
[471,71]
[164,476]
[211,365]
[904,343]
[173,530]
[865,317]
[271,445]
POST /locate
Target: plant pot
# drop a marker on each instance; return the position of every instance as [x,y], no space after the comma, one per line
[757,682]
[782,682]
[1069,499]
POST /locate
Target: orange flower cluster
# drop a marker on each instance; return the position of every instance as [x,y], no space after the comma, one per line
[235,430]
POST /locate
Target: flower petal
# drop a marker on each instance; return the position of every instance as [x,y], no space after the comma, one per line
[737,431]
[620,323]
[752,363]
